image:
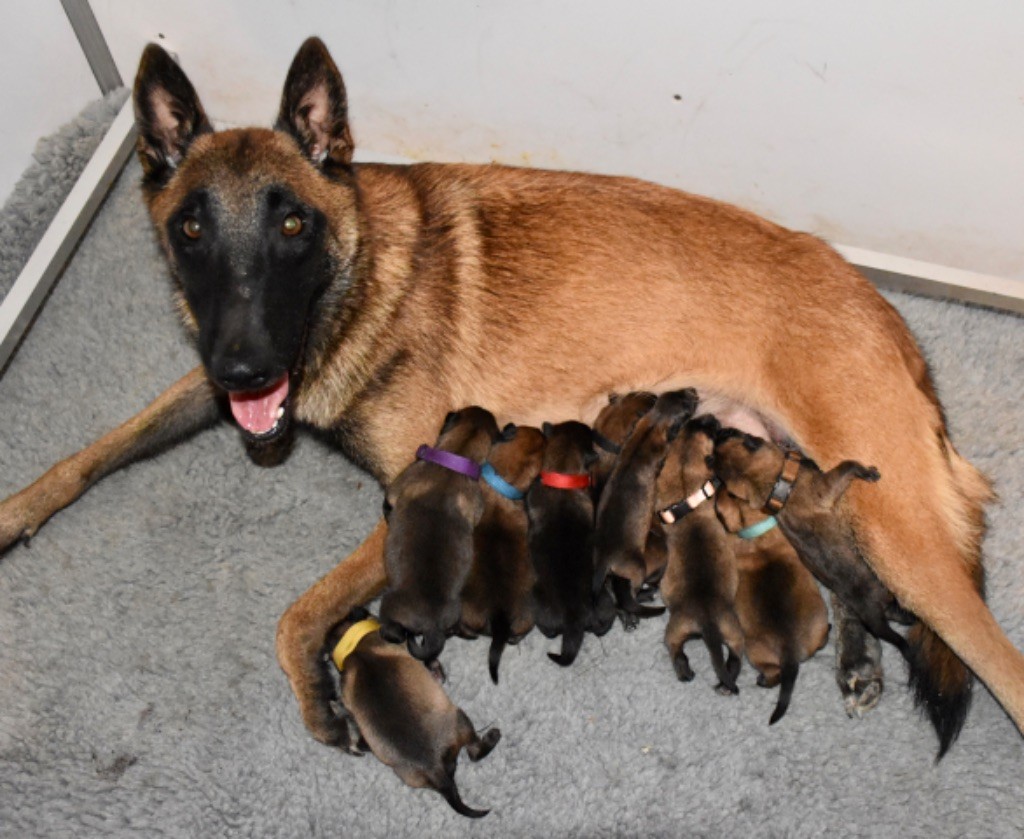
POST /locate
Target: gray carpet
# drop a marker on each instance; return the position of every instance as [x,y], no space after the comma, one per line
[139,693]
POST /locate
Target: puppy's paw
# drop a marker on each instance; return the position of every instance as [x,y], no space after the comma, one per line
[722,689]
[861,693]
[681,664]
[869,474]
[629,622]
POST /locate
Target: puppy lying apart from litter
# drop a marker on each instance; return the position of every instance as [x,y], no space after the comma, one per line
[400,712]
[804,500]
[627,502]
[780,609]
[432,509]
[497,599]
[561,538]
[699,586]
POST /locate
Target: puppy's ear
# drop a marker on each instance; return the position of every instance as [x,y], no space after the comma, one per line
[450,421]
[728,510]
[675,428]
[168,115]
[707,424]
[613,398]
[314,107]
[548,429]
[508,432]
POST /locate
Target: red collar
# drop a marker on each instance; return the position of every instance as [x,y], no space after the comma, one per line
[561,480]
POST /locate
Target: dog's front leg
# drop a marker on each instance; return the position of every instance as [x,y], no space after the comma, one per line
[304,626]
[858,661]
[186,407]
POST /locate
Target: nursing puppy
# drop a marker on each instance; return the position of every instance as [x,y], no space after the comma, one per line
[780,609]
[366,301]
[699,586]
[497,599]
[804,500]
[627,502]
[611,430]
[432,510]
[561,538]
[395,706]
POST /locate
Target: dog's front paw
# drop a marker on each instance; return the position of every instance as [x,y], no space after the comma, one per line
[17,522]
[629,621]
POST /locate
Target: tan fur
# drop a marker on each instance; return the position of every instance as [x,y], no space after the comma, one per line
[536,293]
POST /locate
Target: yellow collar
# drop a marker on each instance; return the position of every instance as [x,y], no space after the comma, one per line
[350,640]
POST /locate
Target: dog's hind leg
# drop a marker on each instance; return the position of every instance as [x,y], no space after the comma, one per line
[188,406]
[303,627]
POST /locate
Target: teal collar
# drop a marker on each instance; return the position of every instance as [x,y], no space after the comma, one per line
[499,484]
[758,529]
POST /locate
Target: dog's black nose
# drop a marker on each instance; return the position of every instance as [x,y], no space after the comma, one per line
[240,374]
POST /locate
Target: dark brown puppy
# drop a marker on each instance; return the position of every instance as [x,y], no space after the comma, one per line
[780,609]
[699,586]
[611,430]
[432,512]
[627,502]
[396,707]
[561,537]
[383,296]
[752,471]
[497,598]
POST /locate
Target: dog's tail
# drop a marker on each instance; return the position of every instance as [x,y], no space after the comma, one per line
[941,684]
[450,791]
[501,631]
[428,646]
[790,669]
[572,640]
[714,641]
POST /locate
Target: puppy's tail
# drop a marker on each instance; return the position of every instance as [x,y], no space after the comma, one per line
[790,668]
[450,791]
[714,641]
[500,633]
[429,647]
[572,640]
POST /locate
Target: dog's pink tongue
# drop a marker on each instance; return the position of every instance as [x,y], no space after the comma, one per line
[256,410]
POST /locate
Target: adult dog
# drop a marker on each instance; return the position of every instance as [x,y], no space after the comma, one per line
[368,301]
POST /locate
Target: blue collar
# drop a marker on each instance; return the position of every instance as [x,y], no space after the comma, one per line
[499,484]
[758,529]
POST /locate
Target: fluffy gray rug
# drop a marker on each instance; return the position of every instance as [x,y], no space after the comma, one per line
[139,693]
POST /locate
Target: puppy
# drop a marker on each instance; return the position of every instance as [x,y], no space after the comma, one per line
[611,430]
[780,609]
[560,510]
[804,501]
[399,711]
[497,597]
[699,586]
[432,509]
[627,501]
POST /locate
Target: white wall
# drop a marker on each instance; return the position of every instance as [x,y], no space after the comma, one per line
[897,127]
[46,82]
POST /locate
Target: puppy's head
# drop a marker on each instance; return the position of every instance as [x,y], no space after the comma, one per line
[468,432]
[688,464]
[747,465]
[569,447]
[517,455]
[619,417]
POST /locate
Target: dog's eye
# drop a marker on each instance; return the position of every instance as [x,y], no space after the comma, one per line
[292,225]
[192,228]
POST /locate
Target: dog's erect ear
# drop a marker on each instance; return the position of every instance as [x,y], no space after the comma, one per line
[314,107]
[547,428]
[168,114]
[508,433]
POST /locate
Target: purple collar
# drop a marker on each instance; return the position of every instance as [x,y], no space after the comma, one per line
[454,462]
